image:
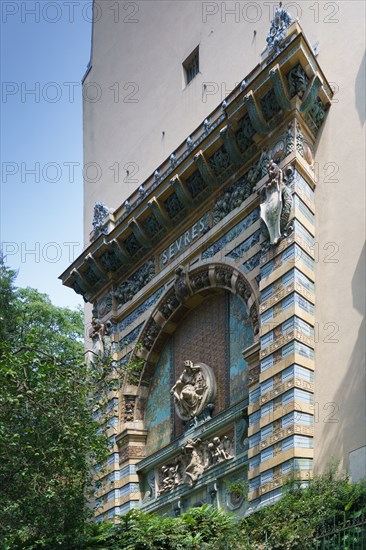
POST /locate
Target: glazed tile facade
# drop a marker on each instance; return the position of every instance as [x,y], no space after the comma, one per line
[186,270]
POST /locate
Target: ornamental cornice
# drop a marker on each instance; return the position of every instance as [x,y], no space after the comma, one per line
[236,138]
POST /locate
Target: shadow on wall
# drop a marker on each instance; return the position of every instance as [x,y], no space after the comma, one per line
[360,91]
[351,392]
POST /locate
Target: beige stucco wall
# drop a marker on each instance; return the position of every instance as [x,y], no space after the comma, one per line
[149,53]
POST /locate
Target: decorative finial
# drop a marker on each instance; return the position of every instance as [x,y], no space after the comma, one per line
[101,211]
[281,21]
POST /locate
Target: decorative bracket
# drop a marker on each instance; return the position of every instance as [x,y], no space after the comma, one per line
[255,115]
[280,88]
[139,233]
[228,137]
[311,95]
[181,191]
[159,213]
[205,170]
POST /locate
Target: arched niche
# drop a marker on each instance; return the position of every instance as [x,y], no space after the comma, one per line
[209,314]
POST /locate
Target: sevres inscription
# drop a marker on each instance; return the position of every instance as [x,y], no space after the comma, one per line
[198,229]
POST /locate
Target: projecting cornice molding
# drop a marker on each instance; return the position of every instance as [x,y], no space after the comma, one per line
[278,112]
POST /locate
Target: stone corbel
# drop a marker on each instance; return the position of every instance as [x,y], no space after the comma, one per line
[159,213]
[181,191]
[311,94]
[121,251]
[139,233]
[229,140]
[94,266]
[255,115]
[204,169]
[83,286]
[280,88]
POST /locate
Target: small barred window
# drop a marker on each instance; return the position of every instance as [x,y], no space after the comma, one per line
[191,66]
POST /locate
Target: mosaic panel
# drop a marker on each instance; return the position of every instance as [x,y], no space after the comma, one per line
[141,309]
[231,235]
[131,336]
[304,209]
[243,247]
[251,263]
[240,337]
[201,337]
[157,413]
[152,227]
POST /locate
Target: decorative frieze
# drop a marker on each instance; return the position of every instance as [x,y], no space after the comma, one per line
[196,457]
[142,308]
[127,290]
[252,263]
[239,251]
[231,235]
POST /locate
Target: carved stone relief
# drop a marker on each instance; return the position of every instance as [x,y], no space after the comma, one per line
[194,390]
[100,333]
[276,203]
[196,457]
[129,409]
[101,211]
[136,282]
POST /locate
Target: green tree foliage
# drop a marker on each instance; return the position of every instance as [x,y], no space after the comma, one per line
[48,438]
[292,523]
[303,514]
[203,528]
[7,301]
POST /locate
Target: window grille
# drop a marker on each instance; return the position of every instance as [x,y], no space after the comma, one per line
[191,66]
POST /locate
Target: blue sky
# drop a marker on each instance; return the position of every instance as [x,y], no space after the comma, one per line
[41,140]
